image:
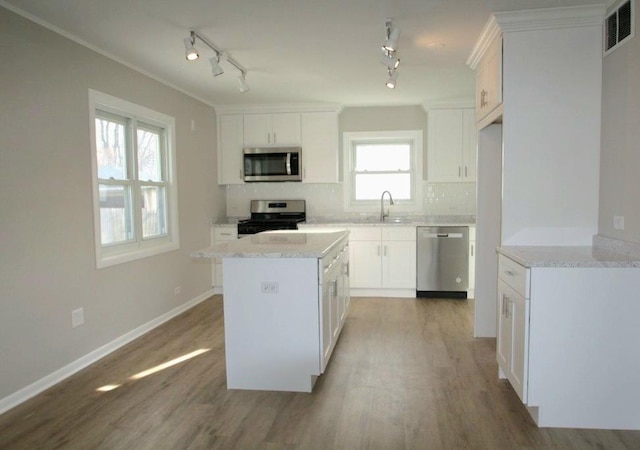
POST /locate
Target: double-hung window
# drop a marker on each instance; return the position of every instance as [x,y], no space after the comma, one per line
[135,201]
[383,161]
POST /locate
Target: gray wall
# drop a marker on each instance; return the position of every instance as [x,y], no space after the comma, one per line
[620,153]
[47,260]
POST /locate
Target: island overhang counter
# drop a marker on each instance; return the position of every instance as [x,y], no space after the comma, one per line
[286,295]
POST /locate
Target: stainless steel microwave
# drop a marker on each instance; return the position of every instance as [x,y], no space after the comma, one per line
[272,164]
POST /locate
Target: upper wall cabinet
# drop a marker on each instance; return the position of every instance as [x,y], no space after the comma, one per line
[230,143]
[315,131]
[272,130]
[319,147]
[451,145]
[489,81]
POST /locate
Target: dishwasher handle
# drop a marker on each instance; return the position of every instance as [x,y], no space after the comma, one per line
[442,235]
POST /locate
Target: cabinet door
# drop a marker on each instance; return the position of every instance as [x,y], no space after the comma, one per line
[503,343]
[230,170]
[327,289]
[489,80]
[399,264]
[257,130]
[469,145]
[365,264]
[513,337]
[444,149]
[285,129]
[319,137]
[472,262]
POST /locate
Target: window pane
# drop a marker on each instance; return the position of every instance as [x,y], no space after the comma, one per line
[371,186]
[154,211]
[111,149]
[149,155]
[377,157]
[115,214]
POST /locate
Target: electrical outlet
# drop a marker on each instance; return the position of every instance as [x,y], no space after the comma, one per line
[177,290]
[269,287]
[618,222]
[77,317]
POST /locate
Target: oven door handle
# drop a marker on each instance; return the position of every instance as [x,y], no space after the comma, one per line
[289,163]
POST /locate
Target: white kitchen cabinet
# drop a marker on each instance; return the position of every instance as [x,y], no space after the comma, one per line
[472,262]
[489,80]
[220,234]
[512,345]
[451,145]
[320,147]
[272,130]
[230,144]
[383,257]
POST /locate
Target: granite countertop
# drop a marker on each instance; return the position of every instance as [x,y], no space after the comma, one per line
[601,254]
[368,220]
[276,244]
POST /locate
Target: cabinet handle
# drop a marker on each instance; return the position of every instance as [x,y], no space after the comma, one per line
[378,250]
[472,249]
[510,273]
[385,250]
[335,287]
[459,171]
[483,98]
[466,172]
[275,137]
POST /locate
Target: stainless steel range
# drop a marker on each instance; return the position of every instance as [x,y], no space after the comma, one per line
[273,215]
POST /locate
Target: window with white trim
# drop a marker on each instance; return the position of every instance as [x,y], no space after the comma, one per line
[383,161]
[134,183]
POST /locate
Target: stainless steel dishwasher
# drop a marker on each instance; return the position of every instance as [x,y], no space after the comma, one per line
[442,256]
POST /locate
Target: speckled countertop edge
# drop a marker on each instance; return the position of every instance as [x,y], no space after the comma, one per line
[369,221]
[605,252]
[276,244]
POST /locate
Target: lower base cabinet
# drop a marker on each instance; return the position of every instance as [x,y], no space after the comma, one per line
[568,343]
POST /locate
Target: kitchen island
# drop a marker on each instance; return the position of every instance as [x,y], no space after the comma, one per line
[286,295]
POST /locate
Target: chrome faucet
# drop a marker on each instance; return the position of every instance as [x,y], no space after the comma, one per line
[382,214]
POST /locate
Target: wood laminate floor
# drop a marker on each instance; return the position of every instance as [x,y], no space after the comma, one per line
[406,374]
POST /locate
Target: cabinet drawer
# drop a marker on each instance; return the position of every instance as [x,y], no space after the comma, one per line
[514,275]
[225,234]
[365,234]
[393,233]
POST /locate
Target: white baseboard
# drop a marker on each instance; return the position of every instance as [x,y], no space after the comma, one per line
[42,384]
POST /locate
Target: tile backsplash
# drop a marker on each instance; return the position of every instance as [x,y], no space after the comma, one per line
[450,199]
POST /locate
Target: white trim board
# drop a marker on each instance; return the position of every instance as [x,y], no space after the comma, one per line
[76,366]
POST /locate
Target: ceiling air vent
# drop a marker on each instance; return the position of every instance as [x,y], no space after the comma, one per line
[618,26]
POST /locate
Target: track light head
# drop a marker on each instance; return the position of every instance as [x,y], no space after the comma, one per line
[242,82]
[389,60]
[216,68]
[393,34]
[190,51]
[393,76]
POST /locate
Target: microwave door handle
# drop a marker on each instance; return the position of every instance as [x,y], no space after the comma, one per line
[289,163]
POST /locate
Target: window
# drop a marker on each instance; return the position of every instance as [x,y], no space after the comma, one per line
[134,185]
[383,161]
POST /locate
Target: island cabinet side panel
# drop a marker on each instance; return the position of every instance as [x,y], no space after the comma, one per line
[584,357]
[271,323]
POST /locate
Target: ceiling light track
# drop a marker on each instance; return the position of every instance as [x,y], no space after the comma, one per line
[388,56]
[191,53]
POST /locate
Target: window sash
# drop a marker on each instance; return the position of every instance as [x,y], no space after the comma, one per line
[144,220]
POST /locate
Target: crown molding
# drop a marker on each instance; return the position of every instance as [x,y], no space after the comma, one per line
[283,108]
[461,103]
[532,20]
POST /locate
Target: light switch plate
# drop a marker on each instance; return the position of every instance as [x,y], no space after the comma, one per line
[618,222]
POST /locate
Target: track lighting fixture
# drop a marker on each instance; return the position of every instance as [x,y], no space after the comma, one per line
[216,69]
[393,76]
[244,87]
[190,51]
[392,37]
[388,56]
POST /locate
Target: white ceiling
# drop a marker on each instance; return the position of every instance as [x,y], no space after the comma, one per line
[295,51]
